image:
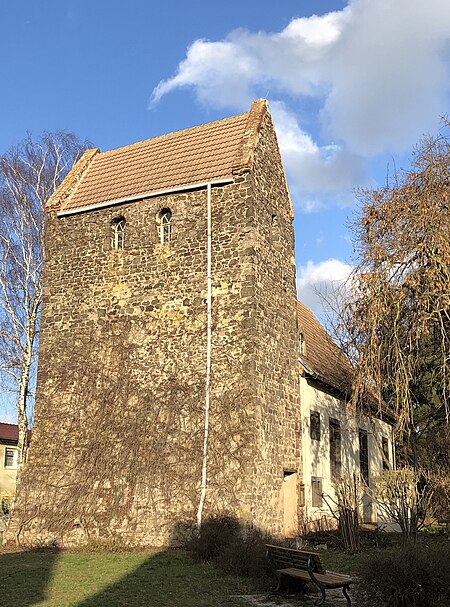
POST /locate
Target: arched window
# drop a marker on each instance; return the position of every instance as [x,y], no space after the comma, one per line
[118,233]
[164,220]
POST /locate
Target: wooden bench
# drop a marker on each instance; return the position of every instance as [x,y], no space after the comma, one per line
[306,567]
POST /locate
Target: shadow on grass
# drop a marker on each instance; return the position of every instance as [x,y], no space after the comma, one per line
[168,578]
[25,576]
[165,578]
[171,579]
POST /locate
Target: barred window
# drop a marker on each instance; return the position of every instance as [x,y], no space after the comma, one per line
[364,455]
[316,485]
[11,458]
[385,453]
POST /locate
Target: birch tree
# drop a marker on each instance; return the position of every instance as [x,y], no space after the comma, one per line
[29,173]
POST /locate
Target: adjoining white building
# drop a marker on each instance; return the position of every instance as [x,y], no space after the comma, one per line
[337,443]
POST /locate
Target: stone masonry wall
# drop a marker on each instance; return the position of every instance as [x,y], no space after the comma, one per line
[119,418]
[276,360]
[117,444]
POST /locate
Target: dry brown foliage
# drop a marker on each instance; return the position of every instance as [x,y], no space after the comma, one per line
[397,318]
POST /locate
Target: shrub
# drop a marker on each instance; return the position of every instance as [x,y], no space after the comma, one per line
[412,575]
[109,543]
[217,532]
[247,555]
[237,548]
[405,496]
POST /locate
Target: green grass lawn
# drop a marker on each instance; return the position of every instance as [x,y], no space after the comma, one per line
[69,579]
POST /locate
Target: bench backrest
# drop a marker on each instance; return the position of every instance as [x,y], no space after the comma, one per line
[283,558]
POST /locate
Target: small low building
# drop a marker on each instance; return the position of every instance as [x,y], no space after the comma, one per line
[9,435]
[340,446]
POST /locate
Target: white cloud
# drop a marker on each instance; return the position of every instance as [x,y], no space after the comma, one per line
[315,173]
[379,70]
[318,283]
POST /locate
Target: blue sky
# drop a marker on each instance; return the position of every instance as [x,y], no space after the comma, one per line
[352,86]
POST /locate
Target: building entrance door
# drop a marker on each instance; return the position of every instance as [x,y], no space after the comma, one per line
[290,503]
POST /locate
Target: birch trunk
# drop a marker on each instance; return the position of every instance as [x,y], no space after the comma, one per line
[22,396]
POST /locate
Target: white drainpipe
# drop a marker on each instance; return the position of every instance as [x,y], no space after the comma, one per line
[208,358]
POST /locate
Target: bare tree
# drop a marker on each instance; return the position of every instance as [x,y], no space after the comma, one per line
[29,174]
[398,313]
[344,507]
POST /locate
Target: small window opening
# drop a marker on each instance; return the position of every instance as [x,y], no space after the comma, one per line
[364,455]
[164,219]
[301,344]
[275,232]
[385,449]
[301,497]
[314,425]
[335,448]
[118,233]
[317,494]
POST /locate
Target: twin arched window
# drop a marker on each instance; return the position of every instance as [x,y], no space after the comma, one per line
[164,227]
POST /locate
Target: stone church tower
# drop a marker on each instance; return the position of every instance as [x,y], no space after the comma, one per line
[168,363]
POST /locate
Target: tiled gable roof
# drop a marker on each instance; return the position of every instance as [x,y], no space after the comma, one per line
[322,359]
[9,432]
[193,156]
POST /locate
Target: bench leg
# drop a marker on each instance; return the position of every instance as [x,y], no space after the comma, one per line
[345,590]
[278,586]
[280,582]
[320,601]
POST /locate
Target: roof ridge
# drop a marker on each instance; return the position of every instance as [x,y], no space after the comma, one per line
[169,135]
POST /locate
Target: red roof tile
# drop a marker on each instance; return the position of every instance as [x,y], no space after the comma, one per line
[203,153]
[9,432]
[322,358]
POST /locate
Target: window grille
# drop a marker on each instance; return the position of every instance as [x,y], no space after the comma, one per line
[385,449]
[10,458]
[314,425]
[316,485]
